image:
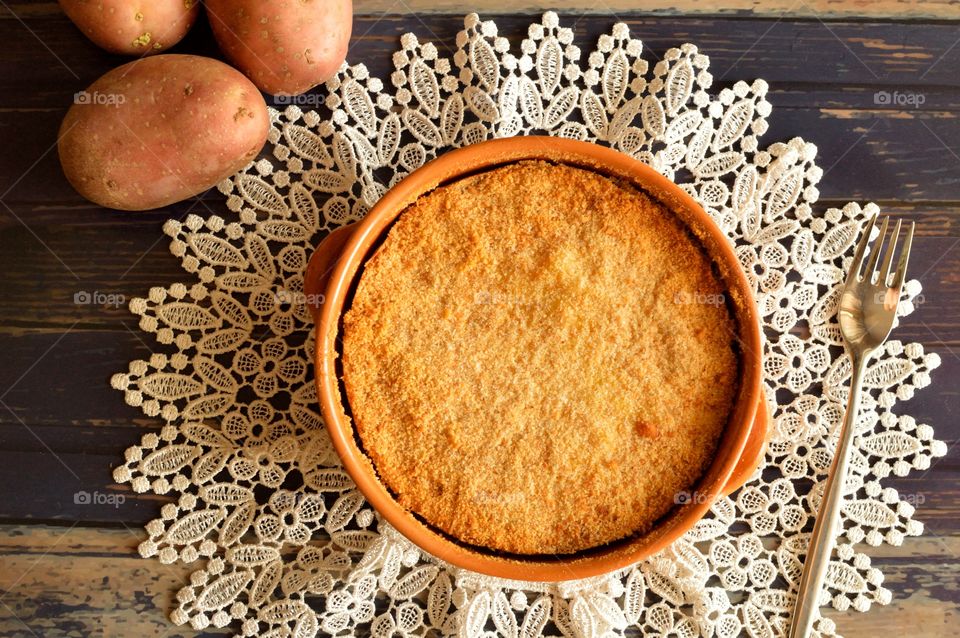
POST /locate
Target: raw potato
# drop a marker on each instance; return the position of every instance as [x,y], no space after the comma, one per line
[161,129]
[133,27]
[285,46]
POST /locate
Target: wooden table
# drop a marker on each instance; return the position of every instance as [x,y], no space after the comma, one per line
[72,569]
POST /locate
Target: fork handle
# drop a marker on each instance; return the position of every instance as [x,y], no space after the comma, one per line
[828,518]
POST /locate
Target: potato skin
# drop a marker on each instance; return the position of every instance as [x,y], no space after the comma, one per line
[133,27]
[285,46]
[161,129]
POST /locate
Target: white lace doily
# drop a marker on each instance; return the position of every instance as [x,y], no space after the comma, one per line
[284,544]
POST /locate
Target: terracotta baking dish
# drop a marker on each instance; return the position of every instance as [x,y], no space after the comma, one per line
[337,264]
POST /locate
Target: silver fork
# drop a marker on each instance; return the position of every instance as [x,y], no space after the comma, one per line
[868,307]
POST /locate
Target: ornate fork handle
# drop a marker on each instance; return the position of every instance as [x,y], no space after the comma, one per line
[828,519]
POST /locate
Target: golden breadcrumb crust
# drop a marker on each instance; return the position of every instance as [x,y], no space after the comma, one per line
[539,359]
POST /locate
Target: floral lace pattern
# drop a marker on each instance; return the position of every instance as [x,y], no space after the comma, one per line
[283,542]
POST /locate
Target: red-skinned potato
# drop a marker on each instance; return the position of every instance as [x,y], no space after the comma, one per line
[285,46]
[161,129]
[133,27]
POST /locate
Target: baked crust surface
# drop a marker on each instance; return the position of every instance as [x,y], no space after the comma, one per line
[538,359]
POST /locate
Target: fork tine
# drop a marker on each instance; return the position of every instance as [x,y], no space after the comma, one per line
[875,251]
[861,249]
[904,258]
[888,255]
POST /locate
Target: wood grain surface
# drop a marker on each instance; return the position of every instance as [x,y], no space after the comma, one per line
[823,9]
[72,570]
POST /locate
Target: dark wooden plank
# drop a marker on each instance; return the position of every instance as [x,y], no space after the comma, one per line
[878,156]
[923,576]
[870,154]
[810,9]
[82,581]
[824,81]
[817,9]
[86,582]
[782,51]
[63,378]
[74,487]
[779,49]
[64,250]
